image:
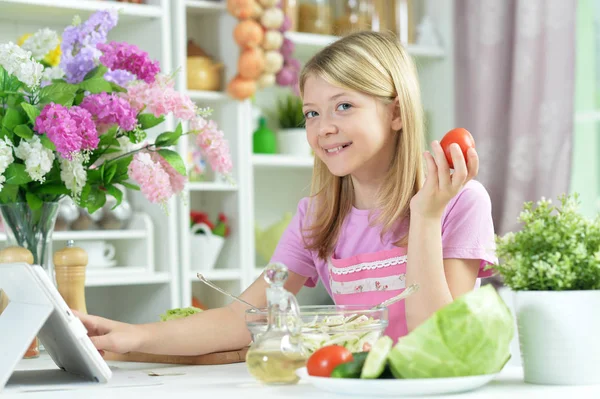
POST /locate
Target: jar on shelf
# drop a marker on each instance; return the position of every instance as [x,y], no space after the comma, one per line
[314,16]
[352,16]
[290,8]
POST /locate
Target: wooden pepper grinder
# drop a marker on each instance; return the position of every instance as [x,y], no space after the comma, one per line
[69,266]
[16,254]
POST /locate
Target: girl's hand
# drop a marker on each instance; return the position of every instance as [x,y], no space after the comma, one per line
[109,335]
[440,184]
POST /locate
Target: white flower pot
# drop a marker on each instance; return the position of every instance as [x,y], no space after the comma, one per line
[559,336]
[293,142]
[204,248]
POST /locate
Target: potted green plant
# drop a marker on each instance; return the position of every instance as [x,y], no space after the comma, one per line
[553,266]
[291,136]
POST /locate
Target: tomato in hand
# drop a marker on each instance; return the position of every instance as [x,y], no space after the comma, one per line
[324,360]
[460,136]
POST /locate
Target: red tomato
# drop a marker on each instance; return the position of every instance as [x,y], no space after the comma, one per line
[460,136]
[324,360]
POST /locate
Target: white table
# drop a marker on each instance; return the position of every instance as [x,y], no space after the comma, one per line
[234,381]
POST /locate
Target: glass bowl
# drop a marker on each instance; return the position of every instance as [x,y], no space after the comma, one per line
[329,324]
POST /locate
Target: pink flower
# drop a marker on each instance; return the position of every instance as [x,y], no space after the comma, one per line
[110,109]
[212,143]
[160,98]
[129,57]
[154,181]
[70,129]
[176,179]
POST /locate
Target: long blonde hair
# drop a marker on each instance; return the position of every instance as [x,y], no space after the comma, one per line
[375,64]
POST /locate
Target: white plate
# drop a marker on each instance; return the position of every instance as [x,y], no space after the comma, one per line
[392,387]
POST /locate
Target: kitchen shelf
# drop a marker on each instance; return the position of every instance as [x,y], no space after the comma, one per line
[61,12]
[124,276]
[211,186]
[216,275]
[312,42]
[202,7]
[284,161]
[587,116]
[213,96]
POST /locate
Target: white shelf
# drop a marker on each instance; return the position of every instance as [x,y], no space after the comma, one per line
[314,42]
[588,116]
[284,161]
[213,96]
[124,276]
[62,11]
[195,7]
[211,186]
[216,275]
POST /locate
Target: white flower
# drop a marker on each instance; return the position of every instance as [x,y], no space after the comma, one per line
[52,73]
[41,43]
[73,174]
[38,159]
[6,158]
[18,63]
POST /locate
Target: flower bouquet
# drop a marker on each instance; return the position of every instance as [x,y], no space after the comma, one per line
[79,128]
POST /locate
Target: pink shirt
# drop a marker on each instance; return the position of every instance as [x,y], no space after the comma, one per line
[467,233]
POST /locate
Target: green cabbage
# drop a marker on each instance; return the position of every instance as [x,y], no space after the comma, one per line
[470,336]
[179,313]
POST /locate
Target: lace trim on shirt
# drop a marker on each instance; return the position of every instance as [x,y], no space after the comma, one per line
[389,283]
[378,264]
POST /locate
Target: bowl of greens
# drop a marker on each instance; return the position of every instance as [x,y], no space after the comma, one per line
[351,326]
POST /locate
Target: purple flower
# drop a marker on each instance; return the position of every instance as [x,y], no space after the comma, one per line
[120,77]
[130,58]
[79,52]
[71,130]
[109,109]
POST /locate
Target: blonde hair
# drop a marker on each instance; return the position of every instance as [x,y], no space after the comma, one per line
[375,64]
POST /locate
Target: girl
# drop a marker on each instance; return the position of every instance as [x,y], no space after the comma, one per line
[364,122]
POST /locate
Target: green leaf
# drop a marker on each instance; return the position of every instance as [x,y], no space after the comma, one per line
[16,174]
[4,132]
[148,121]
[168,139]
[33,201]
[12,118]
[174,159]
[9,193]
[47,143]
[54,189]
[130,186]
[32,112]
[85,193]
[24,132]
[94,176]
[97,72]
[58,93]
[110,173]
[115,192]
[95,200]
[117,88]
[96,85]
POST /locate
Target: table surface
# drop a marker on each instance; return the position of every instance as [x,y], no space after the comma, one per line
[133,380]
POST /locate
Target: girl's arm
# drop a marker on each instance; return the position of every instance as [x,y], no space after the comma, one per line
[440,280]
[209,331]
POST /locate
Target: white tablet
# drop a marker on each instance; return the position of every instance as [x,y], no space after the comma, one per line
[36,308]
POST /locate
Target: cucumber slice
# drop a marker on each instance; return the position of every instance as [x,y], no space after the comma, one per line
[377,358]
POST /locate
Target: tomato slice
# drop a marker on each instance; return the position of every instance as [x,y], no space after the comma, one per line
[460,136]
[322,362]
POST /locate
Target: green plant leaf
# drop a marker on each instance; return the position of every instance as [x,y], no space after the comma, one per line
[54,189]
[97,72]
[16,174]
[115,192]
[109,173]
[58,93]
[95,200]
[32,112]
[4,132]
[9,193]
[168,139]
[130,186]
[12,118]
[96,85]
[117,88]
[47,143]
[24,132]
[148,121]
[94,176]
[33,201]
[174,159]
